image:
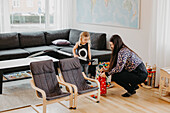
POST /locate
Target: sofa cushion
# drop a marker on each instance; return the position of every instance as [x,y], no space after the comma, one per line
[55,46]
[30,39]
[74,36]
[9,41]
[101,55]
[33,50]
[13,53]
[61,47]
[67,50]
[57,34]
[98,40]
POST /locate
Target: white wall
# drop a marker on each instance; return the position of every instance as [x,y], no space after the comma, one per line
[136,39]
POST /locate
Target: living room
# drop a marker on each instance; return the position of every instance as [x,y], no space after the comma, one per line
[142,24]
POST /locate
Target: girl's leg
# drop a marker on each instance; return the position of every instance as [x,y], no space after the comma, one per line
[86,68]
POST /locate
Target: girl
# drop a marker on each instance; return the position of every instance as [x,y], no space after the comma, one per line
[126,67]
[82,49]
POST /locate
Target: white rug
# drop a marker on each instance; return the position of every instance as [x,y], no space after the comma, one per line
[17,94]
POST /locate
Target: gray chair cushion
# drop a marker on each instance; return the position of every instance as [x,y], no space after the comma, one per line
[13,53]
[33,50]
[57,34]
[30,39]
[9,41]
[88,90]
[54,96]
[45,78]
[71,71]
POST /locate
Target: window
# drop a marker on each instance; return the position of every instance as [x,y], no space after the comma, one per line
[32,14]
[16,3]
[29,3]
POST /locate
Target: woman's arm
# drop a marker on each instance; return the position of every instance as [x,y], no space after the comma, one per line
[74,50]
[121,61]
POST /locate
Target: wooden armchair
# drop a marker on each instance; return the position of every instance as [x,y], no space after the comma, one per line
[70,72]
[46,84]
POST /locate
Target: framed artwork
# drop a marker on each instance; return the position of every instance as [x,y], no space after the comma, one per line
[122,13]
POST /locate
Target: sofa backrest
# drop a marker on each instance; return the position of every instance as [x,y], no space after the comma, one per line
[30,39]
[9,41]
[56,34]
[74,36]
[98,40]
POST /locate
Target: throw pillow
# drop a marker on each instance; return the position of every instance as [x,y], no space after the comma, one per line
[61,42]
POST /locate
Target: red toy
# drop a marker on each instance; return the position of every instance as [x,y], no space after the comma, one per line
[102,81]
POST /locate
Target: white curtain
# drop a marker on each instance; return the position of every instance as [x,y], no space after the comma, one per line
[62,17]
[159,50]
[4,16]
[63,14]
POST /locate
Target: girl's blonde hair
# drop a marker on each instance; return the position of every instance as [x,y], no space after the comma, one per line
[82,35]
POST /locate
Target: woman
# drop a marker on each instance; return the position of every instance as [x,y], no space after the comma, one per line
[126,67]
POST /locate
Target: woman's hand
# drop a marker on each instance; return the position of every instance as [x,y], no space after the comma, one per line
[103,75]
[89,63]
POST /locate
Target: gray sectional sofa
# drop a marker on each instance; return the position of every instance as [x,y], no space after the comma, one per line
[21,45]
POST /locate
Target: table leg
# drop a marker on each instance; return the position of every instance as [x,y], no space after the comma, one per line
[1,81]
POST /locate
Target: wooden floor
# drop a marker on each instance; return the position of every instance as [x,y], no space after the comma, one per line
[144,101]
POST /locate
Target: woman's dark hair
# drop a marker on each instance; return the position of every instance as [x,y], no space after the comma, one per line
[118,44]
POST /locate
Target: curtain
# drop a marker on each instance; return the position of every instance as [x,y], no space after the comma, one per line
[4,16]
[159,48]
[63,14]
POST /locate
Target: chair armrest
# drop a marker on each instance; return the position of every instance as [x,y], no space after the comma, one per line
[65,84]
[60,78]
[90,79]
[72,85]
[38,89]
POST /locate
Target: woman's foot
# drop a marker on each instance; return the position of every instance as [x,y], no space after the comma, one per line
[128,94]
[137,87]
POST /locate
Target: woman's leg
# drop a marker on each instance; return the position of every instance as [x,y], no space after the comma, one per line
[128,80]
[142,73]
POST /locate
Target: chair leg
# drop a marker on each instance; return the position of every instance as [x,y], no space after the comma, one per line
[75,101]
[71,101]
[98,96]
[44,107]
[160,87]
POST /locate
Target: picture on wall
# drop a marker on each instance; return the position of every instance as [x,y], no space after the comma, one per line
[122,13]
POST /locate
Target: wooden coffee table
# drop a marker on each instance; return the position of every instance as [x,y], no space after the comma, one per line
[20,64]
